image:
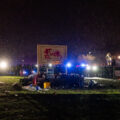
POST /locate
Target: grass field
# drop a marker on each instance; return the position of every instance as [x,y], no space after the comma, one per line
[57,104]
[10,79]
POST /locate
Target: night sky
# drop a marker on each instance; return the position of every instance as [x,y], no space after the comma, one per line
[83,25]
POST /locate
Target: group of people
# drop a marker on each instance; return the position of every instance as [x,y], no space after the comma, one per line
[39,79]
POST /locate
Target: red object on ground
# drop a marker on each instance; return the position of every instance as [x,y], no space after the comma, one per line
[35,80]
[21,72]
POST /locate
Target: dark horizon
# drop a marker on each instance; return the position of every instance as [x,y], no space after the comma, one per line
[81,25]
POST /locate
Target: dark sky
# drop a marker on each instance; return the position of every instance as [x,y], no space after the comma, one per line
[83,25]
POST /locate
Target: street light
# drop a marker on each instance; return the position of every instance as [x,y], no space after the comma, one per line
[88,67]
[83,65]
[94,68]
[50,65]
[3,65]
[36,65]
[68,65]
[118,57]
